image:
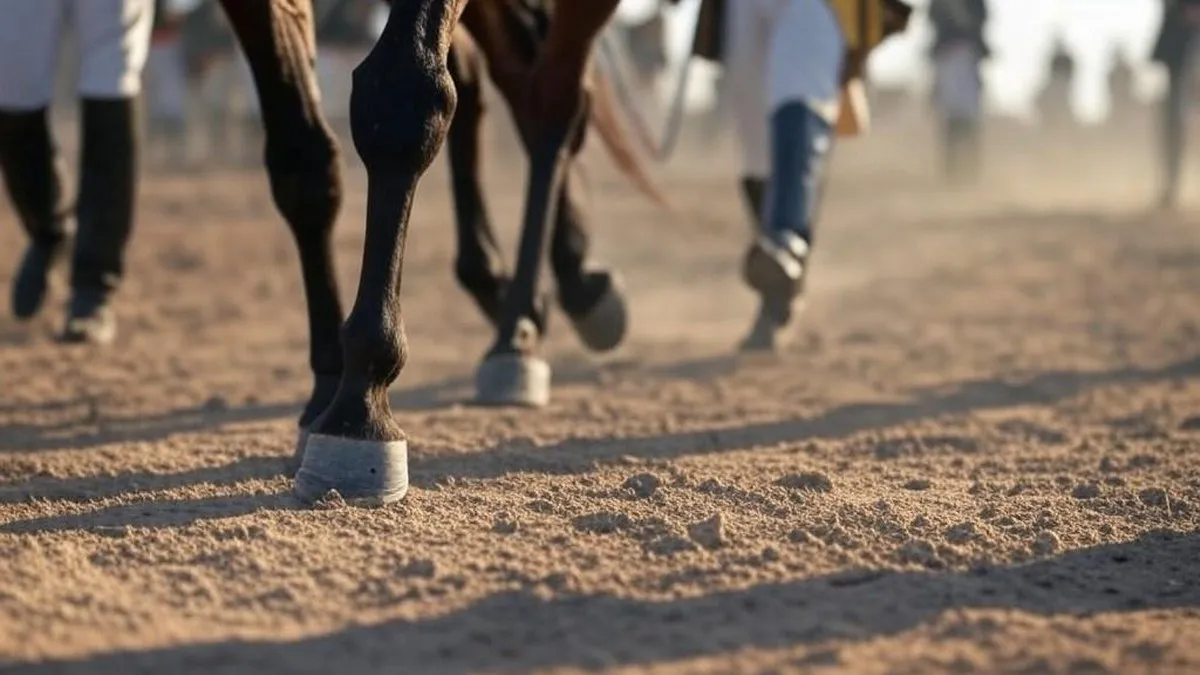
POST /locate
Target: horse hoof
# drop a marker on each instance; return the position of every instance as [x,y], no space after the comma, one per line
[602,328]
[298,452]
[513,380]
[363,473]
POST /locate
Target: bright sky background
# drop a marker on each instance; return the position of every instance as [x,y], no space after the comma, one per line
[1022,32]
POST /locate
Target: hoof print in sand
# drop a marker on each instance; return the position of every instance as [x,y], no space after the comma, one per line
[809,481]
[709,533]
[642,485]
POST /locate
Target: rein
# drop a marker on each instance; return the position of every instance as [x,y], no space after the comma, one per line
[660,146]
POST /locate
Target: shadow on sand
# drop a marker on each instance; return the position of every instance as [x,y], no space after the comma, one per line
[86,428]
[575,455]
[1155,572]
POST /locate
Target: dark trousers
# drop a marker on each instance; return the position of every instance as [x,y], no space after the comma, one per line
[104,208]
[1181,71]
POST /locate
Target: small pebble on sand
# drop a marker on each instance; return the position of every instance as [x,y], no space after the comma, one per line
[812,481]
[643,485]
[1046,542]
[919,552]
[330,500]
[709,533]
[1154,497]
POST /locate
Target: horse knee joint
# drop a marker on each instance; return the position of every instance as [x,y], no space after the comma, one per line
[401,107]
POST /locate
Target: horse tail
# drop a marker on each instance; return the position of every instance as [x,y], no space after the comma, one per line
[609,122]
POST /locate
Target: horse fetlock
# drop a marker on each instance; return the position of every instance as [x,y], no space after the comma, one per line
[579,291]
[597,309]
[359,410]
[374,346]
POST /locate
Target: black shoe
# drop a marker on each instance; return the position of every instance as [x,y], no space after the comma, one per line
[90,320]
[32,279]
[775,267]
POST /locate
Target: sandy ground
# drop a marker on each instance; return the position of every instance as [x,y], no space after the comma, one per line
[978,455]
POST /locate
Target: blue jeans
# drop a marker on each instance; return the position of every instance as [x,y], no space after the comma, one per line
[801,143]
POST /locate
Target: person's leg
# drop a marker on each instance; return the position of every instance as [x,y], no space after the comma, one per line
[1174,123]
[805,44]
[33,174]
[801,141]
[114,38]
[959,94]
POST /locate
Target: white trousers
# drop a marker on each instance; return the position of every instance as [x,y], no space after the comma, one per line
[113,38]
[779,52]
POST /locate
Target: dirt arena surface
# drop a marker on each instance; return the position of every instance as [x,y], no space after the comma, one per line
[979,454]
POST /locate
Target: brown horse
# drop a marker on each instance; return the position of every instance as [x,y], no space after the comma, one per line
[402,105]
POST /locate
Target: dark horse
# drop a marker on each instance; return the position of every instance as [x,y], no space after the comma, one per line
[403,102]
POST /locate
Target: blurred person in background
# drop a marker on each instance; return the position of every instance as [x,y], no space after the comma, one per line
[794,71]
[113,40]
[223,82]
[958,51]
[1054,100]
[1176,50]
[167,85]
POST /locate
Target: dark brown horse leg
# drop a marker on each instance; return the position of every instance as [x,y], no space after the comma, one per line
[479,266]
[513,372]
[304,167]
[401,106]
[592,297]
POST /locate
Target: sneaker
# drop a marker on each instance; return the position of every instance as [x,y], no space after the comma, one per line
[90,320]
[775,267]
[32,278]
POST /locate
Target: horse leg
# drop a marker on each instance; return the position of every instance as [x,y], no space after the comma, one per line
[304,168]
[591,297]
[479,266]
[401,104]
[551,116]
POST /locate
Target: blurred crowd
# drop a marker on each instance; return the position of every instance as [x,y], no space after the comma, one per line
[200,103]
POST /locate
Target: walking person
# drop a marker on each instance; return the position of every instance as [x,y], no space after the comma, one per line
[113,38]
[167,86]
[1176,50]
[794,67]
[958,52]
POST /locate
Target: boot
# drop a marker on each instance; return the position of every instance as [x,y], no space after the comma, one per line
[105,213]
